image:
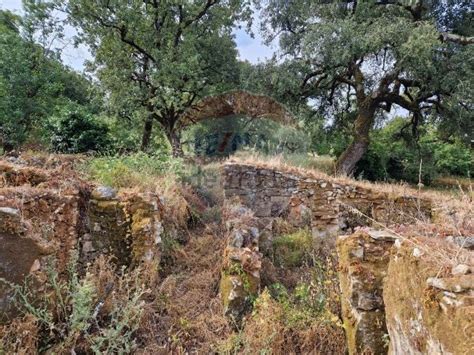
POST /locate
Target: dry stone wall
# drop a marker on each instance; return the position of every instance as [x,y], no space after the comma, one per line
[240,276]
[406,296]
[326,206]
[363,264]
[50,216]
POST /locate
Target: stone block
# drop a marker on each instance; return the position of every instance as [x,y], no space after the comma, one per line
[363,264]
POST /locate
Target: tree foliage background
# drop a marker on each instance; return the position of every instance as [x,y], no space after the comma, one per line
[380,85]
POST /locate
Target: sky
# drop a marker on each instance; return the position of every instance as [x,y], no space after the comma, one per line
[251,49]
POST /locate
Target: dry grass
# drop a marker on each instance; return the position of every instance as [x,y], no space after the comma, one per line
[453,208]
[187,315]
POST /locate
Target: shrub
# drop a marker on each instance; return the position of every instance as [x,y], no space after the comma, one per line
[100,312]
[394,155]
[134,170]
[454,159]
[292,250]
[74,130]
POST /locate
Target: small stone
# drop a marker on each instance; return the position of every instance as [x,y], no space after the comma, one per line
[87,247]
[417,252]
[254,232]
[461,269]
[36,266]
[14,212]
[104,193]
[358,253]
[464,242]
[237,239]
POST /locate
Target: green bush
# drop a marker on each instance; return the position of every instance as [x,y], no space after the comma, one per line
[292,250]
[139,169]
[454,159]
[393,154]
[74,130]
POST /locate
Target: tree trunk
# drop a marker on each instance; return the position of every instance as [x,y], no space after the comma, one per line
[347,161]
[146,137]
[176,148]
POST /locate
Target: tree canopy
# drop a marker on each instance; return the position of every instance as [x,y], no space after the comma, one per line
[373,56]
[33,82]
[159,55]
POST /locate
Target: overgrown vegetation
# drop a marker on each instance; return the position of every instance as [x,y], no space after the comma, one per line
[292,250]
[134,170]
[165,93]
[99,311]
[299,313]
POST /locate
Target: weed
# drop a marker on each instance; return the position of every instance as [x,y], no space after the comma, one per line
[77,314]
[135,170]
[292,250]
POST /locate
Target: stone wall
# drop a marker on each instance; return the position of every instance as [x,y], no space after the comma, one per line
[406,297]
[429,301]
[50,216]
[363,264]
[240,276]
[325,205]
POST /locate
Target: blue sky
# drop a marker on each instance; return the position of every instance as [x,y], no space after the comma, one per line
[251,49]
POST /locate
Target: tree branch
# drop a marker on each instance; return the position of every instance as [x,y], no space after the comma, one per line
[451,37]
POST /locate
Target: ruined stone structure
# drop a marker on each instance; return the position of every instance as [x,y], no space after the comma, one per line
[363,262]
[326,206]
[394,298]
[240,278]
[48,220]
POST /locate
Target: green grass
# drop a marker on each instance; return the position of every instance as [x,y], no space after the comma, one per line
[292,250]
[134,170]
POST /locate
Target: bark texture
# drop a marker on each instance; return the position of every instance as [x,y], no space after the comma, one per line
[347,161]
[146,136]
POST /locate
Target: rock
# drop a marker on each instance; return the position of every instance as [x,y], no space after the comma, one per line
[461,269]
[421,320]
[382,235]
[464,242]
[8,211]
[456,284]
[417,252]
[236,239]
[36,266]
[358,253]
[104,193]
[11,221]
[363,262]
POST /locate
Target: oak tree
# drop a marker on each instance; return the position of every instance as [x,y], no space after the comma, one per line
[160,55]
[373,56]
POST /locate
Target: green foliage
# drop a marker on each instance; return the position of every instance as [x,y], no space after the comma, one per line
[157,57]
[70,317]
[223,136]
[395,155]
[368,57]
[73,130]
[302,305]
[131,170]
[454,159]
[292,250]
[33,83]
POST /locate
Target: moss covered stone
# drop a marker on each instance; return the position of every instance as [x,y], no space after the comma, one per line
[363,264]
[422,316]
